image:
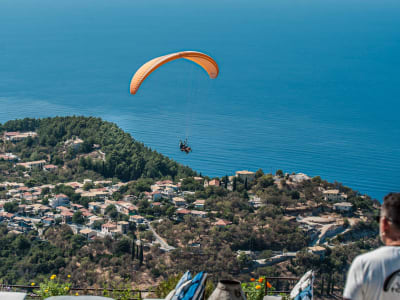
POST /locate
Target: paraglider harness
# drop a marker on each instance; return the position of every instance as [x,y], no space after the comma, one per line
[183,146]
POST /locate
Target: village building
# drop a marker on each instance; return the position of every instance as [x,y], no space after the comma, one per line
[8,157]
[198,213]
[318,250]
[59,200]
[93,219]
[75,185]
[23,224]
[255,201]
[137,219]
[155,204]
[16,136]
[334,196]
[305,210]
[38,209]
[33,165]
[48,221]
[94,206]
[95,194]
[109,229]
[50,167]
[66,216]
[213,182]
[161,189]
[49,186]
[156,195]
[88,233]
[126,208]
[15,185]
[129,198]
[164,182]
[343,207]
[299,177]
[179,201]
[182,212]
[74,143]
[123,226]
[103,208]
[199,203]
[243,175]
[169,193]
[75,206]
[222,223]
[12,192]
[28,197]
[85,213]
[103,182]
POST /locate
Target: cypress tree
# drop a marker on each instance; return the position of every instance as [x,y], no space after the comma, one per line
[141,254]
[133,250]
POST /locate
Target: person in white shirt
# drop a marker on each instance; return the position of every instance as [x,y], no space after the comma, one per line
[376,274]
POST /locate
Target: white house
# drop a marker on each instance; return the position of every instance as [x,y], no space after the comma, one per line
[179,201]
[199,203]
[18,136]
[137,219]
[343,206]
[198,213]
[33,164]
[88,233]
[334,196]
[109,228]
[59,200]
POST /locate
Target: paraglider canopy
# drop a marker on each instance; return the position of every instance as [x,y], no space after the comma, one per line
[203,60]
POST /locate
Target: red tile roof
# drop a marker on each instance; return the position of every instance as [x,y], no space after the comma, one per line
[221,222]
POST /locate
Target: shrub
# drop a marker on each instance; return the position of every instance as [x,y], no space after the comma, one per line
[53,287]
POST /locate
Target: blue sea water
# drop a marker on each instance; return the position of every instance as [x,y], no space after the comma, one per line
[305,86]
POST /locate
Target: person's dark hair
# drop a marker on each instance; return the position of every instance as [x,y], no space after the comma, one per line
[391,208]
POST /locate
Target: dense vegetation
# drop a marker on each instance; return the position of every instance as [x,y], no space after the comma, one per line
[125,158]
[25,258]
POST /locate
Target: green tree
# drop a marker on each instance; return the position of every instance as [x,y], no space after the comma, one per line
[88,185]
[234,184]
[265,181]
[259,173]
[78,218]
[97,224]
[141,254]
[11,207]
[244,260]
[133,249]
[122,247]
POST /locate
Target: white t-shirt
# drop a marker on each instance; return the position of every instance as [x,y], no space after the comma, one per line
[375,275]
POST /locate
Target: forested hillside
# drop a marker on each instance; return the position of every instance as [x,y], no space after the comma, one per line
[125,158]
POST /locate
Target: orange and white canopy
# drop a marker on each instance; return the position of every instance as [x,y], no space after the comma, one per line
[203,60]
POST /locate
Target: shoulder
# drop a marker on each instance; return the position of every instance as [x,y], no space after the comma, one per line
[374,256]
[371,261]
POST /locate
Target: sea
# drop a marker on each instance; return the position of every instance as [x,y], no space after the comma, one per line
[304,86]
